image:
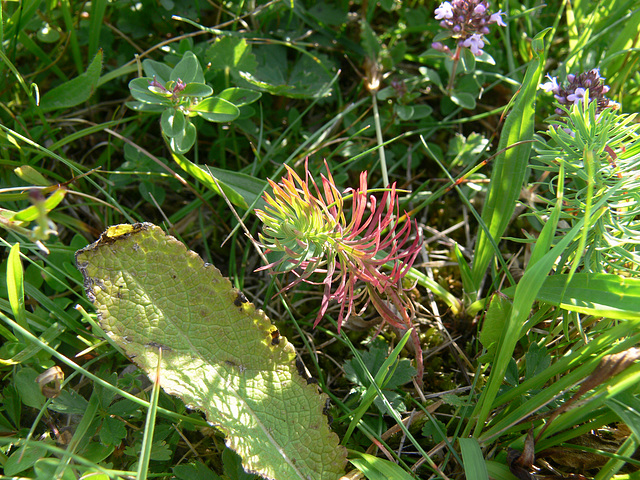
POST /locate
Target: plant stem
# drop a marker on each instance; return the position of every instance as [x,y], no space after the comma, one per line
[383,158]
[454,67]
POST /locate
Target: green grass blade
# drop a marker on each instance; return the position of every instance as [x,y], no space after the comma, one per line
[79,435]
[599,294]
[474,466]
[375,386]
[73,37]
[150,424]
[15,287]
[579,364]
[524,297]
[95,379]
[96,16]
[510,167]
[375,468]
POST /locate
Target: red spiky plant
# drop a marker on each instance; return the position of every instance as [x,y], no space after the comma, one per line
[358,261]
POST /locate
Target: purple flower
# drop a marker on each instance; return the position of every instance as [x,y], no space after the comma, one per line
[577,96]
[468,21]
[497,18]
[444,11]
[551,85]
[578,85]
[475,43]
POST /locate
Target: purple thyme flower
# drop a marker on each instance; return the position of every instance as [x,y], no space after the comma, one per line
[444,11]
[474,43]
[468,21]
[575,91]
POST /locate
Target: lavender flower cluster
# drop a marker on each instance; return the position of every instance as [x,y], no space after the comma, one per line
[468,21]
[574,92]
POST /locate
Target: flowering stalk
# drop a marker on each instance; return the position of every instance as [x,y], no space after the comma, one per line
[468,22]
[574,92]
[310,230]
[598,149]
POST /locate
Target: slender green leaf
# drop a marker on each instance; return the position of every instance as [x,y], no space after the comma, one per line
[242,190]
[34,212]
[509,167]
[598,294]
[96,17]
[474,466]
[627,407]
[150,423]
[15,286]
[75,91]
[524,297]
[375,468]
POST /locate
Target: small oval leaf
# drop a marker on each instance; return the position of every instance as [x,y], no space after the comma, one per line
[215,109]
[239,96]
[172,122]
[188,70]
[196,90]
[140,91]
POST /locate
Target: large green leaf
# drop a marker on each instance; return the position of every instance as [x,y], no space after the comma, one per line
[219,354]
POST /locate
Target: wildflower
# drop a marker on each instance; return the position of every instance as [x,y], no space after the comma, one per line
[445,10]
[551,85]
[468,21]
[474,43]
[575,91]
[440,47]
[311,232]
[174,88]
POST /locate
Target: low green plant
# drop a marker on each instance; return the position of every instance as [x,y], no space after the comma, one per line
[179,94]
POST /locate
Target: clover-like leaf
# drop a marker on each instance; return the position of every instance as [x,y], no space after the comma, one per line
[219,354]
